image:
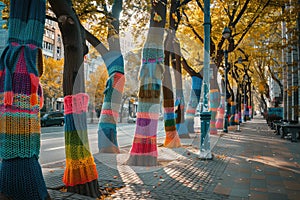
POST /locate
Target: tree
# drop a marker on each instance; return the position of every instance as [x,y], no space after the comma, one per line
[80,174]
[21,99]
[95,86]
[144,148]
[113,59]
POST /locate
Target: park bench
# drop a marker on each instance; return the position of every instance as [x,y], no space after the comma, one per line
[291,129]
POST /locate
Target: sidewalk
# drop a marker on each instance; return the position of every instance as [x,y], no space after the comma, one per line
[251,164]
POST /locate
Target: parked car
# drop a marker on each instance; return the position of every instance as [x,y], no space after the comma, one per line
[53,118]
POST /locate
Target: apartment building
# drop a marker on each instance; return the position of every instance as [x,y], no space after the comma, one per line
[52,41]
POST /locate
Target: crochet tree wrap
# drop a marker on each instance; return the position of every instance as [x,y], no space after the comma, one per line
[20,101]
[232,120]
[22,179]
[179,114]
[193,103]
[172,139]
[144,143]
[214,96]
[20,91]
[80,165]
[220,113]
[107,130]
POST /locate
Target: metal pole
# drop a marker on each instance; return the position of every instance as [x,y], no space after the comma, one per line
[205,116]
[225,129]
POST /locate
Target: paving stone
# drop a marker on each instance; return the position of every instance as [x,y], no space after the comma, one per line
[246,165]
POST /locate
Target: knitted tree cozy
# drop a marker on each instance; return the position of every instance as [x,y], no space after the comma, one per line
[193,103]
[20,101]
[80,165]
[220,113]
[144,148]
[172,139]
[214,96]
[179,114]
[107,130]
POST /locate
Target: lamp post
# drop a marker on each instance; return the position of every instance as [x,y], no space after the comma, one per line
[205,116]
[226,34]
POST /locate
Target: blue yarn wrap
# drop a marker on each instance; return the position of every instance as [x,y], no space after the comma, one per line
[193,102]
[26,21]
[22,178]
[114,62]
[9,59]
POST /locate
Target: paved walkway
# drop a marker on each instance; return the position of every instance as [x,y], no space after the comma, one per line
[251,164]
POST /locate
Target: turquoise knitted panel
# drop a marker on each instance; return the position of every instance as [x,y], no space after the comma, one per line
[22,179]
[107,129]
[179,108]
[193,103]
[20,101]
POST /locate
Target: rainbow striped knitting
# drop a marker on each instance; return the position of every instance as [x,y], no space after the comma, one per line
[80,165]
[193,103]
[107,130]
[144,148]
[172,139]
[20,102]
[220,113]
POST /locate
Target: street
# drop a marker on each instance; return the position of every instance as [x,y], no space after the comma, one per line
[53,143]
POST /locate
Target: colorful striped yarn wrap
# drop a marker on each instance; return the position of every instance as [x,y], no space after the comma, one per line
[144,144]
[172,139]
[214,103]
[193,103]
[80,165]
[220,113]
[232,117]
[20,101]
[179,115]
[107,129]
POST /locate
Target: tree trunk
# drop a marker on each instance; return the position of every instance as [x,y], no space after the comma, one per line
[214,99]
[20,174]
[80,174]
[144,148]
[179,102]
[172,139]
[114,61]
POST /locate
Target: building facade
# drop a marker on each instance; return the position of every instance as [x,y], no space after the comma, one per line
[3,31]
[52,41]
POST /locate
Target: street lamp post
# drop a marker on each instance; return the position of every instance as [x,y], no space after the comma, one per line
[205,116]
[226,34]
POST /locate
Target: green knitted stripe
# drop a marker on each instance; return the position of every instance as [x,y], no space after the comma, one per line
[22,101]
[76,137]
[170,122]
[77,152]
[16,145]
[16,116]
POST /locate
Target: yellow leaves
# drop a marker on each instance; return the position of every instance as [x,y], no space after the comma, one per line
[51,80]
[157,17]
[261,87]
